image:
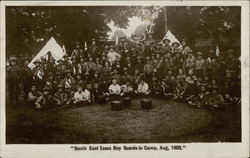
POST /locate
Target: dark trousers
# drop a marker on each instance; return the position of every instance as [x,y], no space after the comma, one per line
[13,92]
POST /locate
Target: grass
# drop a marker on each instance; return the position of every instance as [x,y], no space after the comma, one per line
[168,121]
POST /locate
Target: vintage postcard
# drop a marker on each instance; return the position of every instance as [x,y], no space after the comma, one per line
[124,79]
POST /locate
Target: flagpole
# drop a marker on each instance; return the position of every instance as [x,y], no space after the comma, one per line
[165,18]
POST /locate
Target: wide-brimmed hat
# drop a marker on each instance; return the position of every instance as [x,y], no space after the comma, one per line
[68,71]
[60,86]
[12,59]
[125,69]
[46,88]
[50,74]
[166,40]
[199,53]
[58,73]
[176,43]
[214,87]
[37,61]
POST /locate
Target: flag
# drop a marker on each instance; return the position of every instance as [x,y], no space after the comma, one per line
[116,40]
[217,52]
[85,46]
[64,50]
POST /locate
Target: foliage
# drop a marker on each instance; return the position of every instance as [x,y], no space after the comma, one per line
[220,23]
[28,27]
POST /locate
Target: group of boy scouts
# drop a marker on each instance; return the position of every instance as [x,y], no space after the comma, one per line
[128,69]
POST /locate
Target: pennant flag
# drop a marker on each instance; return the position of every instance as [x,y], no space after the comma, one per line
[217,52]
[116,40]
[64,50]
[85,46]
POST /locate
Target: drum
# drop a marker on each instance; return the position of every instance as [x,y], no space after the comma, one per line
[146,104]
[126,101]
[116,105]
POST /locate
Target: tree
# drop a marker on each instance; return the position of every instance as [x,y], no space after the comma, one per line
[29,27]
[222,23]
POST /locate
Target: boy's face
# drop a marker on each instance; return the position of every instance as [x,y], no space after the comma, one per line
[96,86]
[203,89]
[183,43]
[190,72]
[78,77]
[26,62]
[46,92]
[180,71]
[33,88]
[50,77]
[60,89]
[79,89]
[114,81]
[88,87]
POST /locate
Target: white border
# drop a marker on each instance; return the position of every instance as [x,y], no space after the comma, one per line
[192,150]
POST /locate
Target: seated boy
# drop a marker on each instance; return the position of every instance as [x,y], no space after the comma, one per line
[47,100]
[99,96]
[127,89]
[201,99]
[87,93]
[35,97]
[60,97]
[114,90]
[79,97]
[179,92]
[215,100]
[143,89]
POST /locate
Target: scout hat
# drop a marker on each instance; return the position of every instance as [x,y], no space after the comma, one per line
[214,87]
[58,73]
[178,44]
[68,71]
[147,58]
[37,61]
[166,40]
[46,88]
[60,86]
[125,69]
[50,74]
[12,59]
[199,53]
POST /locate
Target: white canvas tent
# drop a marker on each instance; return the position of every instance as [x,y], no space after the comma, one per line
[171,37]
[56,51]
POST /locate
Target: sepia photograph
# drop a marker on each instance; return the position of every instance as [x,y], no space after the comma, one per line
[123,74]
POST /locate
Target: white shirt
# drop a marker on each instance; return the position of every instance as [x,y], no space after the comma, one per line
[79,96]
[115,89]
[87,95]
[113,56]
[126,88]
[143,88]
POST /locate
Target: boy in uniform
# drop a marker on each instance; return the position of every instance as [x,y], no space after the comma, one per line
[60,97]
[114,90]
[35,97]
[215,99]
